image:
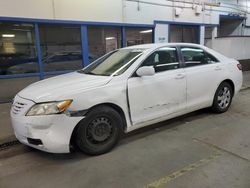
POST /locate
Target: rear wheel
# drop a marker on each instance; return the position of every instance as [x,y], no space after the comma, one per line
[100,131]
[223,98]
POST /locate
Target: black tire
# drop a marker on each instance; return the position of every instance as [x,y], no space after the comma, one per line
[222,98]
[99,131]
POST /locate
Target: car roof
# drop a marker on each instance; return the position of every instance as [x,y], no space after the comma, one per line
[158,45]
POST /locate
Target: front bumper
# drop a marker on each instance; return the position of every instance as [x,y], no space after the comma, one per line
[54,131]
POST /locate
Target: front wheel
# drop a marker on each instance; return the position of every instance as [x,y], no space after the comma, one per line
[100,131]
[223,98]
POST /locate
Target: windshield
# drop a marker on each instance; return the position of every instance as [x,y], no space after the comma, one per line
[116,61]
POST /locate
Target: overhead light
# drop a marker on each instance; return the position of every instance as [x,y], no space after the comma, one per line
[26,30]
[147,31]
[8,35]
[110,38]
[26,25]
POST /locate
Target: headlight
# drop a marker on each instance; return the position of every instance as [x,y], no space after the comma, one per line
[49,108]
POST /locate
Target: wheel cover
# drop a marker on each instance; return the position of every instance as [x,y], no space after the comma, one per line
[224,97]
[99,130]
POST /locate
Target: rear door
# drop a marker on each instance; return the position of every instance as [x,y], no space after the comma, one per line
[204,72]
[152,97]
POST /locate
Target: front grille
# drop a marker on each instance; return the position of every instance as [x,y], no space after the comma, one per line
[17,107]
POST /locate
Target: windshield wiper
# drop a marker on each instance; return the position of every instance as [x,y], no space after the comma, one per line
[83,72]
[91,73]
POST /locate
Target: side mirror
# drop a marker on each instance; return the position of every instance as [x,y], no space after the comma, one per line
[145,71]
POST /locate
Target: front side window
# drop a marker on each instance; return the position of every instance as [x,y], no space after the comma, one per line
[163,59]
[117,61]
[196,56]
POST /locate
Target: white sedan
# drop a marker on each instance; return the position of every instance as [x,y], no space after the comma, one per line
[122,91]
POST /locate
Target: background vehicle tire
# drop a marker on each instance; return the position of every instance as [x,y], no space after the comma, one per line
[100,131]
[222,98]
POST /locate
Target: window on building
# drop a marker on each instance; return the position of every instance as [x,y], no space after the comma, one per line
[102,40]
[230,27]
[196,56]
[187,34]
[163,59]
[135,36]
[61,47]
[17,49]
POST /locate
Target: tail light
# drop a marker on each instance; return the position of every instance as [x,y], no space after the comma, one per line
[239,66]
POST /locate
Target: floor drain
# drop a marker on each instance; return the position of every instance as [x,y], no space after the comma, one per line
[7,145]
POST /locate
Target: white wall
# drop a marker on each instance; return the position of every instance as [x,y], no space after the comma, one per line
[247,31]
[108,10]
[202,35]
[161,33]
[135,12]
[89,10]
[240,50]
[85,10]
[27,8]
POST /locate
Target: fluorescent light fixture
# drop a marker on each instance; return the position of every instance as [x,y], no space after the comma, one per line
[110,38]
[27,25]
[147,31]
[26,30]
[8,35]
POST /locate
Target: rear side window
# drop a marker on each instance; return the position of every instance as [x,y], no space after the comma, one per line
[163,59]
[196,56]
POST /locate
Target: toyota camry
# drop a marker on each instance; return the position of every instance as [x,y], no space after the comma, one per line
[122,91]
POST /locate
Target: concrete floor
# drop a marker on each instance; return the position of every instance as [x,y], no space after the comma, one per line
[246,79]
[199,150]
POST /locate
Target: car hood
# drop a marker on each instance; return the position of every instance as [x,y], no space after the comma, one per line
[61,87]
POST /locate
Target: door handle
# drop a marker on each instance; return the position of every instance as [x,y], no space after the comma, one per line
[180,76]
[217,68]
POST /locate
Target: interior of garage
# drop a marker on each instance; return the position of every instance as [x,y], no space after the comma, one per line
[34,49]
[56,37]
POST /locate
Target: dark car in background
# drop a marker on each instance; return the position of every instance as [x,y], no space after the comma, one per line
[10,60]
[54,62]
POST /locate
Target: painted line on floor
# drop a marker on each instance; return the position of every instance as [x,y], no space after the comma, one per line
[164,180]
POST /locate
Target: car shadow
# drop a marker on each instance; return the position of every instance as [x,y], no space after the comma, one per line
[171,124]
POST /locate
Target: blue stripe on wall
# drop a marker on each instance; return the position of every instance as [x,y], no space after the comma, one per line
[39,52]
[85,49]
[124,43]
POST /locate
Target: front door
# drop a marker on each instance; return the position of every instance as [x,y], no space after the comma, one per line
[162,94]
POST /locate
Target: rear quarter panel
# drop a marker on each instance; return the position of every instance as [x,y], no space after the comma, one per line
[234,74]
[231,70]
